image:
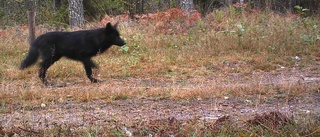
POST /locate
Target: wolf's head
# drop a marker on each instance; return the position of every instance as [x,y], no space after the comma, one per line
[113,35]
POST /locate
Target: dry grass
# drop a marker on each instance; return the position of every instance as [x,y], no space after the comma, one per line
[269,43]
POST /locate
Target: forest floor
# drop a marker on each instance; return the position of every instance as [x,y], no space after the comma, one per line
[132,114]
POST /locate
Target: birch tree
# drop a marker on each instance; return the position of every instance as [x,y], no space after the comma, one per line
[76,13]
[186,5]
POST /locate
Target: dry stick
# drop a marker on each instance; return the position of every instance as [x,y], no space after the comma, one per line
[30,131]
[32,24]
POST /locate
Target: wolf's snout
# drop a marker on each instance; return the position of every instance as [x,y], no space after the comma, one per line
[120,42]
[124,43]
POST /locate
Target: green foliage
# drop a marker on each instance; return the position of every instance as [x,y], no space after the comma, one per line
[2,12]
[15,12]
[60,18]
[134,47]
[2,17]
[124,49]
[95,9]
[302,11]
[219,15]
[240,32]
[312,31]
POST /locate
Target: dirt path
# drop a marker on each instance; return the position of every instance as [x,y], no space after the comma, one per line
[129,112]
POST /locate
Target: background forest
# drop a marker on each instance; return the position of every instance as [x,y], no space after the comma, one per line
[56,11]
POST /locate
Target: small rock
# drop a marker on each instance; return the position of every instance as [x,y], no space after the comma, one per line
[43,105]
[248,101]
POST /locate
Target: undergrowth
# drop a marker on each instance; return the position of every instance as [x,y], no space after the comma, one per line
[229,43]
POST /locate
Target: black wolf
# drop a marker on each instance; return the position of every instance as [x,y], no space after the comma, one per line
[78,45]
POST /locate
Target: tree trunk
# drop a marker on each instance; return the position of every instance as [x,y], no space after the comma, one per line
[139,6]
[32,25]
[76,13]
[186,6]
[56,5]
[130,6]
[228,2]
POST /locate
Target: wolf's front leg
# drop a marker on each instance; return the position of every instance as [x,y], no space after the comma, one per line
[88,65]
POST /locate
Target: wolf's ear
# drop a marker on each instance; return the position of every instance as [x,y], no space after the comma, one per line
[108,26]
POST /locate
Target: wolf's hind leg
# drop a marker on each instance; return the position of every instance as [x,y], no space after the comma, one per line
[45,64]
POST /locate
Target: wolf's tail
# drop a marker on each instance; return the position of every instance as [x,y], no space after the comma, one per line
[31,58]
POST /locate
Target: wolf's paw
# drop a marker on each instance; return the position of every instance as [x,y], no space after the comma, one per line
[56,85]
[93,80]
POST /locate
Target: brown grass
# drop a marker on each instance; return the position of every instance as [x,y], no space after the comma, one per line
[269,43]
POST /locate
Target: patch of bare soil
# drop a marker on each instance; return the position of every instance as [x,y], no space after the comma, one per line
[130,114]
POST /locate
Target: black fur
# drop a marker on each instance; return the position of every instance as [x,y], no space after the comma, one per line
[78,45]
